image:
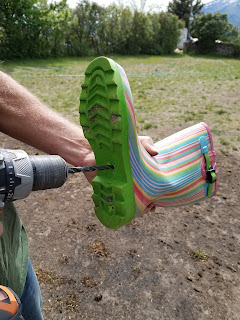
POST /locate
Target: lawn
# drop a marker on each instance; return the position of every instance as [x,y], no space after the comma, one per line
[170,92]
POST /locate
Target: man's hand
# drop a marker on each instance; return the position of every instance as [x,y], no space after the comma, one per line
[90,161]
[148,145]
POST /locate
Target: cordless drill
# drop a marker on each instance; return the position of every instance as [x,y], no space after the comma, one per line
[20,174]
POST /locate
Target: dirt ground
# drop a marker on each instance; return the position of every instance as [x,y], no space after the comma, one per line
[180,263]
[174,264]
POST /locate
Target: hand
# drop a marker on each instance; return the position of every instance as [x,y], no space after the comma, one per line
[90,161]
[148,145]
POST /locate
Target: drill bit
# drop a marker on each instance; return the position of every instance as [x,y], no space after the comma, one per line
[91,168]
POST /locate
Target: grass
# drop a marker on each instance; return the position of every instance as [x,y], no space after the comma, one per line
[170,93]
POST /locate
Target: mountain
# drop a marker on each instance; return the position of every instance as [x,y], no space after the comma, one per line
[231,7]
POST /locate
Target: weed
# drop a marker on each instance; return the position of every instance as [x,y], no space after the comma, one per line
[216,131]
[188,118]
[170,102]
[224,151]
[47,276]
[89,282]
[224,142]
[140,120]
[220,112]
[147,126]
[99,249]
[209,106]
[200,255]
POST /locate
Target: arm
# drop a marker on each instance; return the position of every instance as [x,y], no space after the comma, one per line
[26,118]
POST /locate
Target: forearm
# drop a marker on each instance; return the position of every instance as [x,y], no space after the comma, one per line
[27,119]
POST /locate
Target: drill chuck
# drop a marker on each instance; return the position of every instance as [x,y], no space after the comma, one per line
[20,174]
[48,172]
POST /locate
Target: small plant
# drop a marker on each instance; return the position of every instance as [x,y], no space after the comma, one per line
[200,255]
[220,112]
[224,142]
[140,120]
[147,126]
[216,131]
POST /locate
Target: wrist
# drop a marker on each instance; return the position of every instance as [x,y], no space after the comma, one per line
[77,152]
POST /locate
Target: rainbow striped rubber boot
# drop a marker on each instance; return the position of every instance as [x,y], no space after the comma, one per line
[183,172]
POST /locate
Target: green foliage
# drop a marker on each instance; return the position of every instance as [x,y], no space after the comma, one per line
[200,255]
[141,33]
[37,28]
[236,42]
[32,28]
[86,34]
[96,30]
[211,27]
[181,8]
[167,37]
[118,29]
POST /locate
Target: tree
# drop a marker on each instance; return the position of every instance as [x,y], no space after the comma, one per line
[181,8]
[166,28]
[32,28]
[211,27]
[141,33]
[118,23]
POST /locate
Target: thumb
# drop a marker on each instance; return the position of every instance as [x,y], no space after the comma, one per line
[148,145]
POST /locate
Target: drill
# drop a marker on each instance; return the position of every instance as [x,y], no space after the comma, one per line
[20,174]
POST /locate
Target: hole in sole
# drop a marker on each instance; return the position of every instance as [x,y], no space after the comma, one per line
[115,118]
[109,199]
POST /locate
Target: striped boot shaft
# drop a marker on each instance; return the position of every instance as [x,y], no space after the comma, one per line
[177,175]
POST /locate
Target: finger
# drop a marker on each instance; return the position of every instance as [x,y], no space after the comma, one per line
[148,145]
[90,176]
[148,208]
[90,161]
[153,209]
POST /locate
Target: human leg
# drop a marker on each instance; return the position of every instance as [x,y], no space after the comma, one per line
[31,297]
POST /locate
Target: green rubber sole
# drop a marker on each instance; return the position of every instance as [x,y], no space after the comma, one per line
[104,119]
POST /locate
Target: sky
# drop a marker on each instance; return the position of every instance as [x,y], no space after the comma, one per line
[150,3]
